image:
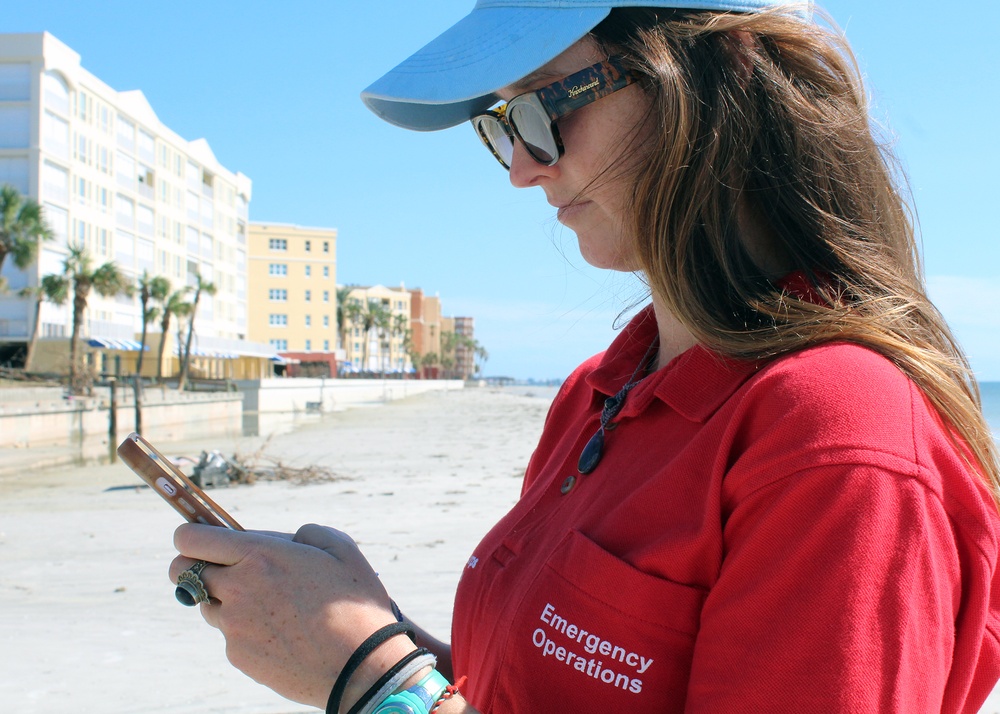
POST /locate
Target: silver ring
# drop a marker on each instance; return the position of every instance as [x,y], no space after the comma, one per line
[190,587]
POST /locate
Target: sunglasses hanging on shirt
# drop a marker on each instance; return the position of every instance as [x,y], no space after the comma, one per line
[591,455]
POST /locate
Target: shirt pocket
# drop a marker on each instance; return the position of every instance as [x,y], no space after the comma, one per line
[594,633]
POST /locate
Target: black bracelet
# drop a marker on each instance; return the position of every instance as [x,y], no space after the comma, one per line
[354,661]
[384,679]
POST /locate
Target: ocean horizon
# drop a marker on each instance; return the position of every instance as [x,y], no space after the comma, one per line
[990,392]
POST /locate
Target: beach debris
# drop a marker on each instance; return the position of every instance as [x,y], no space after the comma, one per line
[259,466]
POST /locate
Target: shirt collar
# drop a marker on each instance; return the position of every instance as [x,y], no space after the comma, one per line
[695,384]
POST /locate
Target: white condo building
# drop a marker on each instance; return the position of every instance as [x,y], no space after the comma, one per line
[111,177]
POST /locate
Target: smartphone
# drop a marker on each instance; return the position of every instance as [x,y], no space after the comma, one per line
[171,483]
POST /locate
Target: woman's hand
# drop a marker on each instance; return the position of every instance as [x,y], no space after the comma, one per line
[292,608]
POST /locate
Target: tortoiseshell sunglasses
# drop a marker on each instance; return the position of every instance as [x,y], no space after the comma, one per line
[531,117]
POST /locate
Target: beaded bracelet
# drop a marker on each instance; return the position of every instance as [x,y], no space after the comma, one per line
[377,638]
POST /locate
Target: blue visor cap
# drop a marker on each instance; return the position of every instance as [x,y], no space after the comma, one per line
[456,75]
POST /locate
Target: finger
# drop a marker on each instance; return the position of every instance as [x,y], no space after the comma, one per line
[214,544]
[336,543]
[275,534]
[211,612]
[178,565]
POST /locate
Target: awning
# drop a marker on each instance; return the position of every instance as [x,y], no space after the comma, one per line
[215,354]
[285,360]
[122,345]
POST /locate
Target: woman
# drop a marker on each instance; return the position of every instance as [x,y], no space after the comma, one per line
[774,492]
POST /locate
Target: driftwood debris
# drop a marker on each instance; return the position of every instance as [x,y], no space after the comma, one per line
[259,466]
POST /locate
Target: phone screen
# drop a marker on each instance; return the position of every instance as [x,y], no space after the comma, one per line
[172,485]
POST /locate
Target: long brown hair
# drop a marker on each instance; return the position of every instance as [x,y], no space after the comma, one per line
[763,117]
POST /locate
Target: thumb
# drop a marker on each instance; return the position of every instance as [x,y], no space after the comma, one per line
[336,543]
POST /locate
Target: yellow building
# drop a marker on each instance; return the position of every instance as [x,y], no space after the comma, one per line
[113,179]
[292,287]
[378,345]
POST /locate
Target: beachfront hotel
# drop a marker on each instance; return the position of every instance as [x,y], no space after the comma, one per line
[292,295]
[381,349]
[112,178]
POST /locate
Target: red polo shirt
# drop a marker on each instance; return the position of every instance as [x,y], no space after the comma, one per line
[799,537]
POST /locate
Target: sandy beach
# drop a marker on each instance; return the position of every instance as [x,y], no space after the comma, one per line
[88,619]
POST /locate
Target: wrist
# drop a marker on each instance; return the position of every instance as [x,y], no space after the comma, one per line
[377,664]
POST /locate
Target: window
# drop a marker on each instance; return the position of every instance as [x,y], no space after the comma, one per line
[55,135]
[309,320]
[326,296]
[84,105]
[277,244]
[103,159]
[144,219]
[15,82]
[147,146]
[308,246]
[277,295]
[326,271]
[326,246]
[280,345]
[276,320]
[309,296]
[277,269]
[144,255]
[309,345]
[126,133]
[15,127]
[56,92]
[326,345]
[124,211]
[308,271]
[125,170]
[326,320]
[81,232]
[193,204]
[83,149]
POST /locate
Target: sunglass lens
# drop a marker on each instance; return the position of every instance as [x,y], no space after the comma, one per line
[494,136]
[535,131]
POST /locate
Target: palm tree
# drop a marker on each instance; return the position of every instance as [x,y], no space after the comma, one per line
[54,289]
[343,318]
[150,288]
[381,323]
[22,229]
[481,355]
[202,287]
[353,313]
[449,340]
[107,280]
[398,328]
[427,362]
[175,304]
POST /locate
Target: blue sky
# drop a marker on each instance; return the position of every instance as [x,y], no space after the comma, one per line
[274,89]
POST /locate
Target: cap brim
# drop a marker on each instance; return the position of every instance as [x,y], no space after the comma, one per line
[457,75]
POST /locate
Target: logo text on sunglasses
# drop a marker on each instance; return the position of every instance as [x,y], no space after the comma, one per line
[576,91]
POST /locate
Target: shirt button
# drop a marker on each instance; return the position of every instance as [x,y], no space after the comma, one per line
[568,484]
